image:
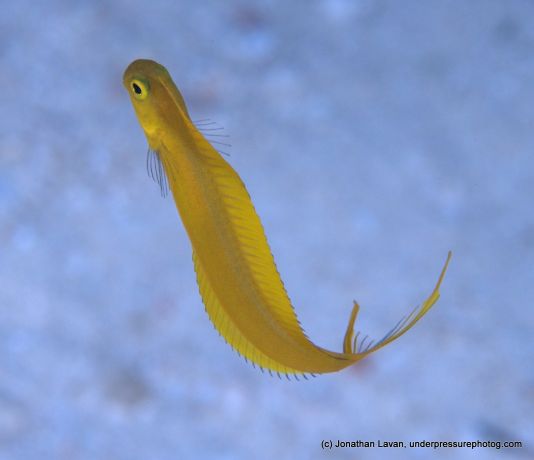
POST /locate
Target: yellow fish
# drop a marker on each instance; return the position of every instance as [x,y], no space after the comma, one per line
[240,286]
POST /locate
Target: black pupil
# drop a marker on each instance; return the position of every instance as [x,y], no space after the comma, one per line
[136,88]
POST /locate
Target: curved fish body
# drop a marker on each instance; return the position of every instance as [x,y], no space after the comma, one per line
[240,286]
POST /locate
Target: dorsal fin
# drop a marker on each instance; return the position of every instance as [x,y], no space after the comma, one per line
[251,239]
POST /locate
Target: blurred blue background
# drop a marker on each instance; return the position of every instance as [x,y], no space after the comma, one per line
[373,136]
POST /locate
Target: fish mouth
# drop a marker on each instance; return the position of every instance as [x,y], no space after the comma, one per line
[145,68]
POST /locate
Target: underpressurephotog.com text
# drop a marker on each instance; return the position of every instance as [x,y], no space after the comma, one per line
[344,444]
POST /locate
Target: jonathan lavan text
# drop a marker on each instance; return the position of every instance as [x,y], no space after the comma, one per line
[328,444]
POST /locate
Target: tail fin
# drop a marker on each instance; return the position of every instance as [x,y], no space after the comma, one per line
[348,340]
[350,344]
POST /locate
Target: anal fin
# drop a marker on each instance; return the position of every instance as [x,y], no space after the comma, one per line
[228,329]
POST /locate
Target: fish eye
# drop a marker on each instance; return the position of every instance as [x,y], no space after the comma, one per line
[139,89]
